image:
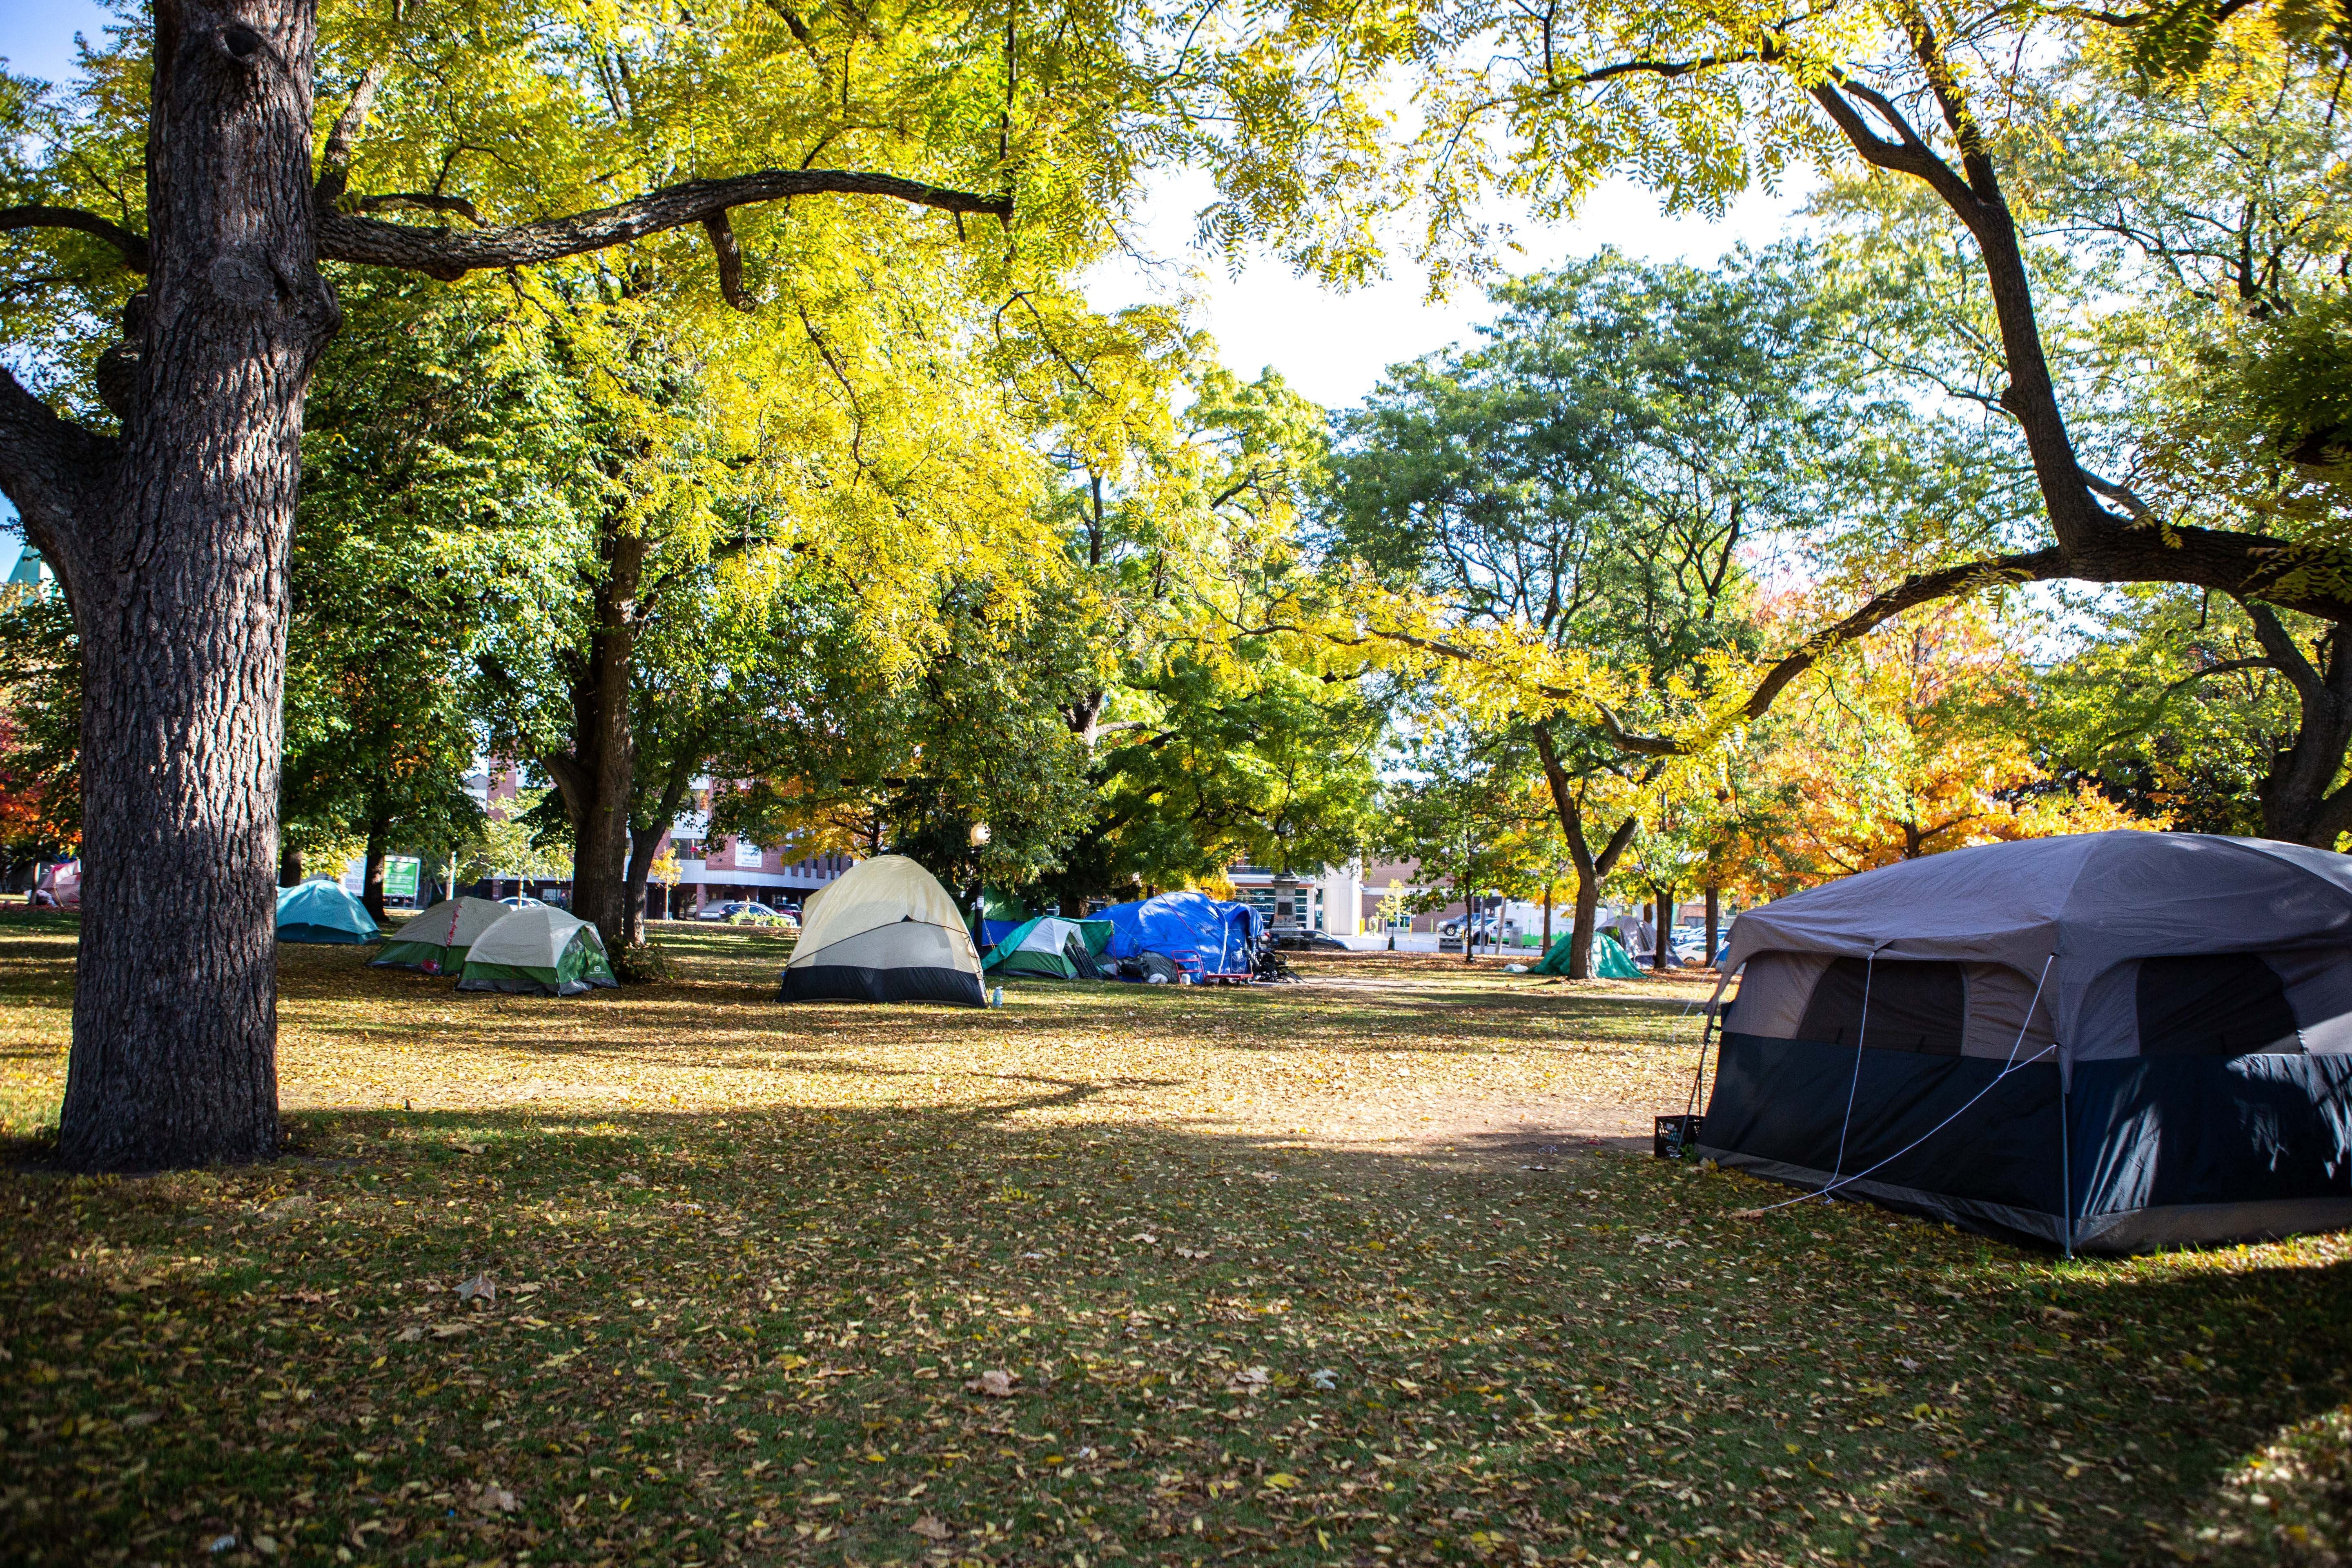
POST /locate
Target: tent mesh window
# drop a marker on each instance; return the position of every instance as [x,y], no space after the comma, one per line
[1915,1005]
[2214,1004]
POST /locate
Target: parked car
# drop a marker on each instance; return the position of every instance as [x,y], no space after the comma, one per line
[745,907]
[1485,927]
[522,901]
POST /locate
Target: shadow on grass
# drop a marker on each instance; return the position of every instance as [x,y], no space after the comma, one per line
[752,1333]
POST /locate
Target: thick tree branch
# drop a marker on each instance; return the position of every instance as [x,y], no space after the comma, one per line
[418,201]
[53,469]
[132,245]
[335,159]
[2277,642]
[443,253]
[2122,495]
[1924,588]
[1909,154]
[1665,70]
[731,262]
[2221,13]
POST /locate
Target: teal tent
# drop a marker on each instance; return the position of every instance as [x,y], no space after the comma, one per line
[322,912]
[1609,959]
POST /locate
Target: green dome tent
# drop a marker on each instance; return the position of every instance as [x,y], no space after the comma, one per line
[1051,948]
[540,950]
[435,942]
[1609,959]
[323,912]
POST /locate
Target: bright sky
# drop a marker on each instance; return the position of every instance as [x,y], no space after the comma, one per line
[1333,347]
[1330,347]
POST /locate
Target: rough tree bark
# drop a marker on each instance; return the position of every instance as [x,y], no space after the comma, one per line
[643,841]
[597,777]
[379,838]
[169,543]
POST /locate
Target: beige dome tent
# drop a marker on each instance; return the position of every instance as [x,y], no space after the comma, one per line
[539,950]
[887,932]
[434,941]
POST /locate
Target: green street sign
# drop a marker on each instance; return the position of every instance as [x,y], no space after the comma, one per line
[400,876]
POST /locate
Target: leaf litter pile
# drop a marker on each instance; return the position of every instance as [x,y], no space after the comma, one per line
[1350,1272]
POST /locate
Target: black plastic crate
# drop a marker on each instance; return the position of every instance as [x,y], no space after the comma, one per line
[1674,1134]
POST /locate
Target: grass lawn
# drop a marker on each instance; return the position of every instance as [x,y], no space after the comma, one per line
[1362,1271]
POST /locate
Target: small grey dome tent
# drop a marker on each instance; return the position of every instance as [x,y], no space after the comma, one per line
[536,950]
[887,932]
[434,941]
[2110,1042]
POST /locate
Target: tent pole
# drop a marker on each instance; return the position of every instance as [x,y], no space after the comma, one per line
[2065,1169]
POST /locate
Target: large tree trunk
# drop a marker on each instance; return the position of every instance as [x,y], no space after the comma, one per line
[289,867]
[597,777]
[172,545]
[643,841]
[378,836]
[1589,868]
[2302,802]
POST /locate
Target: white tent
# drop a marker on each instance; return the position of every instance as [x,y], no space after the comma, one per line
[887,932]
[540,950]
[435,941]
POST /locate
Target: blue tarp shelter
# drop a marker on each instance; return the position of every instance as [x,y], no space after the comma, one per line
[322,912]
[1208,938]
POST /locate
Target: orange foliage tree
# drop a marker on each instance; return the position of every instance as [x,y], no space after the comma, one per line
[1917,740]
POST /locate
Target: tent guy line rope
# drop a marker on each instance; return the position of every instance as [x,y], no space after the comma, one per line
[2010,1066]
[1861,1037]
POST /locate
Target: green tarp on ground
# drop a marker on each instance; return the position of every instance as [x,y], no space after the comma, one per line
[1609,959]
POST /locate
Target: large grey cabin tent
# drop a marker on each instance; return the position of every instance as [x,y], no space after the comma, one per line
[887,932]
[2110,1042]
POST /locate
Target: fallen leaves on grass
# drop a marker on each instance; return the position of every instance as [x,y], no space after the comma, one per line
[765,1251]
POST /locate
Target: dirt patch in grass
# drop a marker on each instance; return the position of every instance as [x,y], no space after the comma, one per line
[679,1275]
